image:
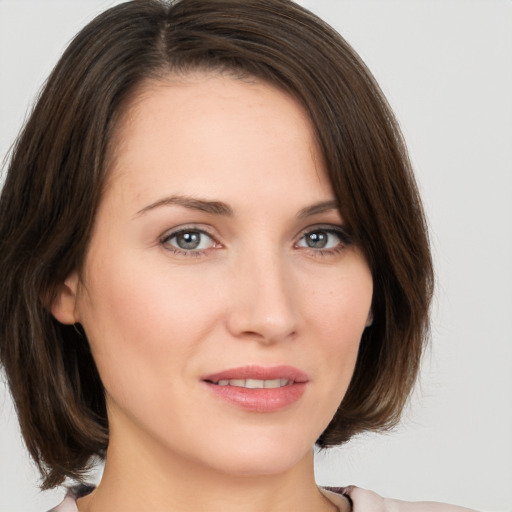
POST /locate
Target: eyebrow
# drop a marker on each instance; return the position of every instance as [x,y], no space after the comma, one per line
[203,205]
[316,209]
[220,208]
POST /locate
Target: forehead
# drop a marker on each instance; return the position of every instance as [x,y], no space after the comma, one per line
[204,129]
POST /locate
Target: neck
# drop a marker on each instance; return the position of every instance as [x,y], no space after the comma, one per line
[140,476]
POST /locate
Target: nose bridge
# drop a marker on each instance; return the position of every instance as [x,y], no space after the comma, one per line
[264,303]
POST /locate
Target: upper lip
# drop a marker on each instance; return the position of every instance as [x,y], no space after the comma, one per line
[259,373]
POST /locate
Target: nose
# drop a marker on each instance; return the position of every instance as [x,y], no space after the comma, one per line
[263,304]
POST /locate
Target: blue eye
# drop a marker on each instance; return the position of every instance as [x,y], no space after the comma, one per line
[324,239]
[189,240]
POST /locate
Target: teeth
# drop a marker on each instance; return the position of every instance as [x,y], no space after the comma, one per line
[275,383]
[254,383]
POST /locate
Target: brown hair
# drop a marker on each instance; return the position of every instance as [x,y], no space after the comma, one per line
[57,172]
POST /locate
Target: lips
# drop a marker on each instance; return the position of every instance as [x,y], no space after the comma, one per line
[255,383]
[289,373]
[257,388]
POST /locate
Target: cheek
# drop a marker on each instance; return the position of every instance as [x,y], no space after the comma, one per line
[341,304]
[135,296]
[339,313]
[144,318]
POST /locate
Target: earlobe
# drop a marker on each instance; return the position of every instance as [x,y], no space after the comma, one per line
[63,307]
[369,320]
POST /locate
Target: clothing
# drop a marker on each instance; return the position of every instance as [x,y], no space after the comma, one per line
[361,500]
[367,501]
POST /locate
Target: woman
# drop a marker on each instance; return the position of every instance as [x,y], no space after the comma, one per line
[213,256]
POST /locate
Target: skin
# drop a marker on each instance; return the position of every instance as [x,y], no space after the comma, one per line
[159,318]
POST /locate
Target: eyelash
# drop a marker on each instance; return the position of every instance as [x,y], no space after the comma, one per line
[164,241]
[344,239]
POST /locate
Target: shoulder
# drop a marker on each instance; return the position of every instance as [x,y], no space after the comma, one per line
[366,501]
[69,502]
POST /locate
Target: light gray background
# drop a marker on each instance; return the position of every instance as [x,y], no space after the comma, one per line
[446,67]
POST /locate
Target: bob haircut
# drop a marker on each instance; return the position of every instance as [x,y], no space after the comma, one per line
[58,169]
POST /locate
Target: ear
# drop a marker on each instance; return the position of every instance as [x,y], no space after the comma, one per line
[64,306]
[369,320]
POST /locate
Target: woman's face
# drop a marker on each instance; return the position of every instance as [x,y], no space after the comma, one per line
[222,297]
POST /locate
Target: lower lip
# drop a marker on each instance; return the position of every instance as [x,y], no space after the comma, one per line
[260,400]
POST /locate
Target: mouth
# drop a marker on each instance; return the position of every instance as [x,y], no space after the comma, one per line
[258,389]
[258,377]
[254,383]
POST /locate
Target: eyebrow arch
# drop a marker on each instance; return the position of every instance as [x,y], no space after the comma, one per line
[318,208]
[203,205]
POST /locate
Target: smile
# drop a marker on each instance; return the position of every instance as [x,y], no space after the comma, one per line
[254,383]
[258,389]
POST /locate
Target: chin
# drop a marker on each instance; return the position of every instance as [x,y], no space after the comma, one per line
[263,457]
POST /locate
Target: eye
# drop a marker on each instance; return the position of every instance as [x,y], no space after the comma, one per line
[188,240]
[324,239]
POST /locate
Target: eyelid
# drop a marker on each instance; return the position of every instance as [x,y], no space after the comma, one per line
[202,228]
[343,234]
[338,229]
[176,231]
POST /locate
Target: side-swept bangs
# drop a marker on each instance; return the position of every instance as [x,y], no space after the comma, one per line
[60,162]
